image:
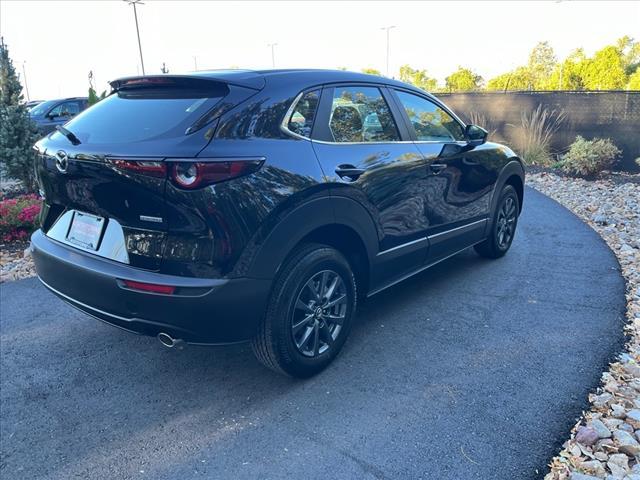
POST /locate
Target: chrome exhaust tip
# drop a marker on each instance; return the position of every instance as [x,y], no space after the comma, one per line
[170,342]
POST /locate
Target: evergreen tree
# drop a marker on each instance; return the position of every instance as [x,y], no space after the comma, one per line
[17,131]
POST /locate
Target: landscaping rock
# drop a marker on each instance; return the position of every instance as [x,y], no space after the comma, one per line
[619,465]
[600,428]
[581,476]
[587,436]
[613,210]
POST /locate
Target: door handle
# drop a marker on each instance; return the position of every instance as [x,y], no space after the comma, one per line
[436,168]
[349,172]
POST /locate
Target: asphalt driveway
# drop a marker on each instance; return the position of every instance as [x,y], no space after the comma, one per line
[475,369]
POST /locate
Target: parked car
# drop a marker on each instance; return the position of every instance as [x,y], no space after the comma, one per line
[223,207]
[48,115]
[32,103]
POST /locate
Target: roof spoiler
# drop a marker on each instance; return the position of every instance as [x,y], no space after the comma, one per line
[247,80]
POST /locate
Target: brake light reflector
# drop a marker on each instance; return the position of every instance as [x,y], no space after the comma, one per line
[192,175]
[149,287]
[152,169]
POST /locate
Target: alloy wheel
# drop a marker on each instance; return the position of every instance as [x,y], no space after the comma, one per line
[506,225]
[319,313]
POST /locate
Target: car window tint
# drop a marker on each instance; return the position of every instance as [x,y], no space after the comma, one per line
[430,122]
[301,120]
[360,114]
[139,116]
[70,108]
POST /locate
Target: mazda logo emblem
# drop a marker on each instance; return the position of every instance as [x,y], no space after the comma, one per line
[62,161]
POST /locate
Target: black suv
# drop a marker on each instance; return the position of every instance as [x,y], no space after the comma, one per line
[228,206]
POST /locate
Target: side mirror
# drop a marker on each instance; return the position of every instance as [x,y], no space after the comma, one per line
[475,135]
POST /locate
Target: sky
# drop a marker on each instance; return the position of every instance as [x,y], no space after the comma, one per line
[57,43]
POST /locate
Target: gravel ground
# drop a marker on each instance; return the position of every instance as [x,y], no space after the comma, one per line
[605,443]
[15,262]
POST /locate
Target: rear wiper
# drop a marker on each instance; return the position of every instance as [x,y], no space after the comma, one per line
[72,138]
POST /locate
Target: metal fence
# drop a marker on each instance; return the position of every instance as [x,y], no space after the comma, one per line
[604,114]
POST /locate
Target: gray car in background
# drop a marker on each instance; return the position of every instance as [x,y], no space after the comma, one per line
[48,115]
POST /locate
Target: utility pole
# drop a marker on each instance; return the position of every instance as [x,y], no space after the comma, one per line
[388,29]
[273,54]
[195,63]
[135,14]
[26,85]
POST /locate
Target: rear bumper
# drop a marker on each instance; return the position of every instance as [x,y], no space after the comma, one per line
[204,310]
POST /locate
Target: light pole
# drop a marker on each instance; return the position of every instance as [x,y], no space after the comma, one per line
[135,14]
[388,29]
[273,54]
[195,63]
[26,85]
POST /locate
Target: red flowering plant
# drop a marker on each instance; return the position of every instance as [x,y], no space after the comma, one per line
[19,217]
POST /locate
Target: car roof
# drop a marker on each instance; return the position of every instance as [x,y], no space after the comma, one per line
[301,78]
[63,99]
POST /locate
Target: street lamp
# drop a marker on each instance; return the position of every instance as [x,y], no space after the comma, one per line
[273,53]
[388,29]
[135,14]
[24,74]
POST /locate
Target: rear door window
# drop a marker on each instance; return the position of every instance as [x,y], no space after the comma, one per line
[145,114]
[301,120]
[361,114]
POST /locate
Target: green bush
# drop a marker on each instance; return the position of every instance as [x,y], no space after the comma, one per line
[587,158]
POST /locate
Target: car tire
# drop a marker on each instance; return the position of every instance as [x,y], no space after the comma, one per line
[306,324]
[503,225]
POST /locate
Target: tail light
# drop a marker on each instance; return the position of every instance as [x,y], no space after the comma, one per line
[152,169]
[190,175]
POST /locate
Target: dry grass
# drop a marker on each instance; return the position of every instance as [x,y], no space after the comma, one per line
[534,134]
[480,119]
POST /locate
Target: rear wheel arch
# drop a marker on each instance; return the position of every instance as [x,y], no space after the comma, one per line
[353,233]
[347,241]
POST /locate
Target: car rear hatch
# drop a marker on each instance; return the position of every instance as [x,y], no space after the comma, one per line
[104,174]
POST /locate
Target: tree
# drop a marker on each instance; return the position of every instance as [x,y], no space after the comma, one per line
[371,71]
[569,74]
[419,78]
[630,52]
[463,80]
[605,71]
[93,96]
[634,80]
[17,131]
[518,79]
[542,61]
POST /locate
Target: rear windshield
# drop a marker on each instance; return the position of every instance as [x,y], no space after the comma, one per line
[143,114]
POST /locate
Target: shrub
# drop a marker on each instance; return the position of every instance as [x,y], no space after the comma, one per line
[19,217]
[587,158]
[534,134]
